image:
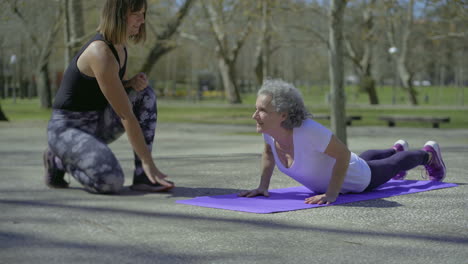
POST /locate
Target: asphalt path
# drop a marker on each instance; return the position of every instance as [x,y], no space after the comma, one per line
[41,225]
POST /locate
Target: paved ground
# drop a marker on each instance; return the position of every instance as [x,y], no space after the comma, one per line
[40,225]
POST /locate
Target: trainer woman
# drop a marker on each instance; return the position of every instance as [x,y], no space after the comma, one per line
[95,104]
[309,153]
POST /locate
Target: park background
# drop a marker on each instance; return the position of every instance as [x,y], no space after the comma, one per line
[206,59]
[205,140]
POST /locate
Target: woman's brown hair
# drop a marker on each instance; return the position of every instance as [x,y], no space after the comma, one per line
[113,24]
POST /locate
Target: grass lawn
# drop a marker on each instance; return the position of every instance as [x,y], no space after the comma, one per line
[24,110]
[170,111]
[216,111]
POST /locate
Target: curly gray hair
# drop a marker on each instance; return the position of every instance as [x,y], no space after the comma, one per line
[286,98]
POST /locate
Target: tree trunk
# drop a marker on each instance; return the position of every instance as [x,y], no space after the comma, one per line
[2,72]
[402,56]
[362,59]
[32,87]
[368,85]
[226,54]
[405,74]
[338,111]
[227,75]
[406,80]
[367,80]
[43,86]
[3,117]
[259,70]
[74,28]
[260,50]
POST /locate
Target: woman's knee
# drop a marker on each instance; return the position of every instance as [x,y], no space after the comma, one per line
[149,96]
[108,183]
[150,91]
[105,177]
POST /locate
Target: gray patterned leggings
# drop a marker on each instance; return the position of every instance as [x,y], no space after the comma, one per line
[79,142]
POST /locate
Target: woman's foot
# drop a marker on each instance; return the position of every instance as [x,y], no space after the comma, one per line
[54,177]
[435,167]
[398,146]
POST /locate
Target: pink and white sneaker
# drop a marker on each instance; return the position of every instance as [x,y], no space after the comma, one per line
[398,146]
[435,167]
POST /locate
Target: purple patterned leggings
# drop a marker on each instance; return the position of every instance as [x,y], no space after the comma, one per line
[385,164]
[79,141]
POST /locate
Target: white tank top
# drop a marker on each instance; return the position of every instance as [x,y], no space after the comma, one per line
[312,167]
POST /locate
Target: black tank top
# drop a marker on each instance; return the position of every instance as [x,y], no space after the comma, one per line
[79,92]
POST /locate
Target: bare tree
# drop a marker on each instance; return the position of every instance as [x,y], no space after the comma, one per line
[74,28]
[452,13]
[338,110]
[226,54]
[448,38]
[403,48]
[44,48]
[262,50]
[163,44]
[359,45]
[334,44]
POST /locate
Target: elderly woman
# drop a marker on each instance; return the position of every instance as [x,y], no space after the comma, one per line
[309,153]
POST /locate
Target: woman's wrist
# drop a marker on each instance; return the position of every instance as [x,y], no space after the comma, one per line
[332,194]
[126,84]
[147,160]
[263,186]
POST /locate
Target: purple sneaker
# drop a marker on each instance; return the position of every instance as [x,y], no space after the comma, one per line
[54,177]
[435,167]
[400,145]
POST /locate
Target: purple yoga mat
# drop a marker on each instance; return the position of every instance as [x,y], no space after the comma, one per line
[290,199]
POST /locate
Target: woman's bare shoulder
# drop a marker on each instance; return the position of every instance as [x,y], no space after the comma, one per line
[99,49]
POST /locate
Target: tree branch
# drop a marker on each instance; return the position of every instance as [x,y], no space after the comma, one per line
[451,35]
[215,26]
[175,22]
[240,42]
[18,13]
[313,32]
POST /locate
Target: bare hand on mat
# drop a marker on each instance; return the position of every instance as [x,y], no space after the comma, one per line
[321,199]
[254,192]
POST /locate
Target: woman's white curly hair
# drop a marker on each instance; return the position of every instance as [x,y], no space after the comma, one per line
[285,98]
